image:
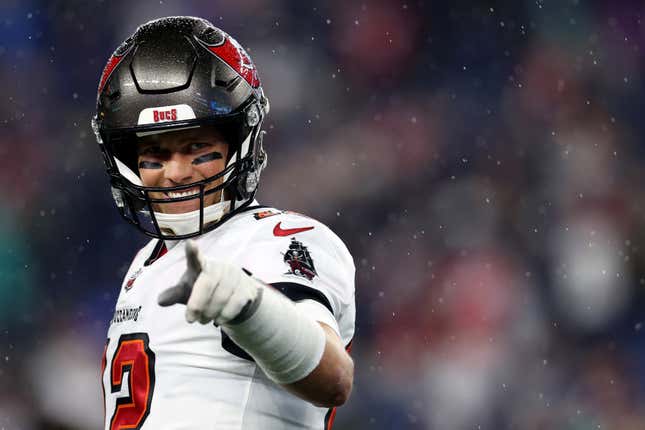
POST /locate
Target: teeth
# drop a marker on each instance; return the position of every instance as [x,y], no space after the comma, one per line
[174,195]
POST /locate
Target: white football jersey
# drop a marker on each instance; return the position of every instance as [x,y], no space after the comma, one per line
[160,372]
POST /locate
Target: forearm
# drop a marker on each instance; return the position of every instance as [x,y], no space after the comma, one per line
[306,357]
[291,348]
[330,383]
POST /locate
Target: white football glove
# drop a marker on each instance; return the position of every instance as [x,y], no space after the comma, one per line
[211,291]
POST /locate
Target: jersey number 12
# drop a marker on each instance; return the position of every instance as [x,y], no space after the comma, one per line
[134,358]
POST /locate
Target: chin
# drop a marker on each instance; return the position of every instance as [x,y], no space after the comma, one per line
[180,209]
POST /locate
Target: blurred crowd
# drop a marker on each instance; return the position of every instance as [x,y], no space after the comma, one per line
[482,161]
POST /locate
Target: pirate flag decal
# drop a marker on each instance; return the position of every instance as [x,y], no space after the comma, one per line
[299,260]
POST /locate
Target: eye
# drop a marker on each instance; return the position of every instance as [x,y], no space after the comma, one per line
[150,150]
[196,146]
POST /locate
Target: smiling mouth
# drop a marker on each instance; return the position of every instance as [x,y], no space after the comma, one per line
[177,194]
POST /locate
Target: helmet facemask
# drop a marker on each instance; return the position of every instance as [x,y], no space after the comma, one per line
[138,204]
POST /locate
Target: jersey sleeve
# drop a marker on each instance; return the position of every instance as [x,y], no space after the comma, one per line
[308,263]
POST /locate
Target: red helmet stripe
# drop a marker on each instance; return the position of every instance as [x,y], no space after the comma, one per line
[109,67]
[235,56]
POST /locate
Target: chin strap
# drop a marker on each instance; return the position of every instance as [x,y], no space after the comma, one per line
[188,222]
[177,224]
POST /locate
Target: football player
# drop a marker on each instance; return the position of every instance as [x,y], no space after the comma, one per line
[235,315]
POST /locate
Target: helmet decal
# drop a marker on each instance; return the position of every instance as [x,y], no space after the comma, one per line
[109,68]
[154,115]
[114,61]
[232,53]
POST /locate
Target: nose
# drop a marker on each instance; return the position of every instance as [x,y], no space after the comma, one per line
[178,169]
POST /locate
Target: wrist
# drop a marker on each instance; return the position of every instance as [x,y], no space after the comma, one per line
[248,310]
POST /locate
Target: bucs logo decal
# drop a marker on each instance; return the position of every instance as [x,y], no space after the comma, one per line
[299,261]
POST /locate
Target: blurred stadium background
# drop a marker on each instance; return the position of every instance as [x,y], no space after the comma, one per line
[482,160]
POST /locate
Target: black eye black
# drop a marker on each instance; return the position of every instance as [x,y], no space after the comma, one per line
[207,157]
[145,164]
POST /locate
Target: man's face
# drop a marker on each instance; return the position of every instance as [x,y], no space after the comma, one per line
[179,158]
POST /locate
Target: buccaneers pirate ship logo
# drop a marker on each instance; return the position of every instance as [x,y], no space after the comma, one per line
[299,260]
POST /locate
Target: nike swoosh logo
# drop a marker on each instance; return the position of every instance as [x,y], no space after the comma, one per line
[279,231]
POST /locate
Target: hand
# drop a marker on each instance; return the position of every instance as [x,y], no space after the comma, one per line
[210,290]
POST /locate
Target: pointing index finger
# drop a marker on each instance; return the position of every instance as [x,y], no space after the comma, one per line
[192,257]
